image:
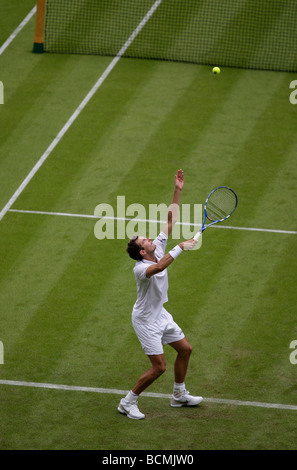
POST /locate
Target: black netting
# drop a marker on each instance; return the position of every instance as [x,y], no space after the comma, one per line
[258,34]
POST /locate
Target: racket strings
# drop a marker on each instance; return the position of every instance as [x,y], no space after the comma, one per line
[221,204]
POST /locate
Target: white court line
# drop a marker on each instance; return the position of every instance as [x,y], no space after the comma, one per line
[17,30]
[79,109]
[88,216]
[145,394]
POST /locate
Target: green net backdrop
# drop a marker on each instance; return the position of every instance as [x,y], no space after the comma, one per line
[256,34]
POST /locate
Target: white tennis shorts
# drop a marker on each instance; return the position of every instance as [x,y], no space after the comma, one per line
[152,335]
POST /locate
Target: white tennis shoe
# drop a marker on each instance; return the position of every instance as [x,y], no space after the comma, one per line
[130,409]
[183,398]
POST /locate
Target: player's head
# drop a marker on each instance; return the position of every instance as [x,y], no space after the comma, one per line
[133,249]
[139,247]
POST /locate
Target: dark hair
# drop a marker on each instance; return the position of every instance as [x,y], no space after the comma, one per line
[134,249]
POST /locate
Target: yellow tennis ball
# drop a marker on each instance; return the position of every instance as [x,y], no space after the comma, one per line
[216,70]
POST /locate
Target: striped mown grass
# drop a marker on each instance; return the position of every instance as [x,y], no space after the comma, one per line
[66,298]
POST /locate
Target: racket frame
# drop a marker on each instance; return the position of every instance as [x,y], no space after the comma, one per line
[203,227]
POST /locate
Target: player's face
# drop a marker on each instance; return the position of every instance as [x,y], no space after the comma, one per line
[146,244]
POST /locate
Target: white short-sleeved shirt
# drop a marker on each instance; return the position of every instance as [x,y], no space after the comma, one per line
[151,292]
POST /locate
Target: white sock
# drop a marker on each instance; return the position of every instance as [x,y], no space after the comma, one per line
[131,396]
[177,388]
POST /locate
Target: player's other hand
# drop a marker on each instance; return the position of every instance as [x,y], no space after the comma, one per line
[188,244]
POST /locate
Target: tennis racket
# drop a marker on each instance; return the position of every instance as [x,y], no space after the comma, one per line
[219,205]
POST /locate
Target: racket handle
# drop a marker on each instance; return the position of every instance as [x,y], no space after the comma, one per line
[197,236]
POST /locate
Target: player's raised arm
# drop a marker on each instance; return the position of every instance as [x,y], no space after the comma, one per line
[173,211]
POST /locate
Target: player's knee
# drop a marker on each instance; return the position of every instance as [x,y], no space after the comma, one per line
[187,350]
[160,369]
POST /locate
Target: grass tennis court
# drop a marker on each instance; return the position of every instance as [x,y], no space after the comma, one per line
[66,297]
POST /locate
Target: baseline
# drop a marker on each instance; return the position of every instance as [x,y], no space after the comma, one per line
[76,388]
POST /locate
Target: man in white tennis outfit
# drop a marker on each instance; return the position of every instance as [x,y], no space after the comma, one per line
[153,325]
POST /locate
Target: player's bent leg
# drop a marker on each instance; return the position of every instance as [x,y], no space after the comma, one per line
[158,368]
[184,351]
[181,396]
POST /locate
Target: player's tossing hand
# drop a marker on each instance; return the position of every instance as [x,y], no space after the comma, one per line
[179,180]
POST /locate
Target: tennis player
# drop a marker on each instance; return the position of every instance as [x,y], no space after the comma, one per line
[153,325]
